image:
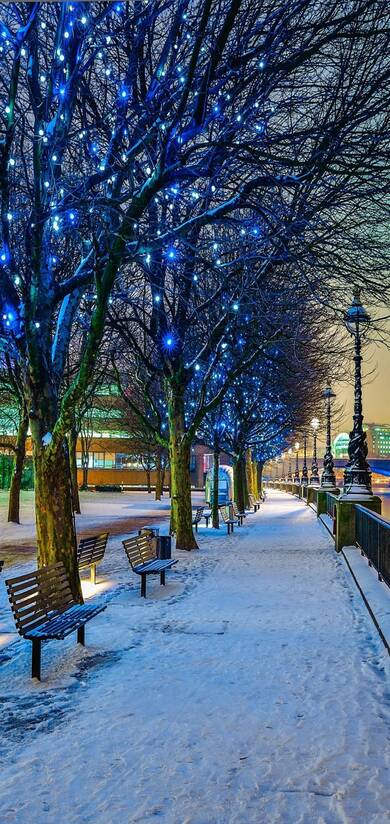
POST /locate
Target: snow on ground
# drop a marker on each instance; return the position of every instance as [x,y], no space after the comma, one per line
[252,688]
[100,510]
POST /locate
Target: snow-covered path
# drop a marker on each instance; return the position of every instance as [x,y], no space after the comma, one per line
[252,689]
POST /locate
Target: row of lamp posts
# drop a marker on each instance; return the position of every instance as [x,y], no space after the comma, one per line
[357,473]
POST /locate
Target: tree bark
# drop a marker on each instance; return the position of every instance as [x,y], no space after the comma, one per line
[215,509]
[72,446]
[249,472]
[241,492]
[179,458]
[56,534]
[84,461]
[159,476]
[17,470]
[149,488]
[260,465]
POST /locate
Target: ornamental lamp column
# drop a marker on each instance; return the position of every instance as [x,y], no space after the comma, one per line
[289,476]
[328,477]
[357,472]
[296,474]
[314,476]
[305,474]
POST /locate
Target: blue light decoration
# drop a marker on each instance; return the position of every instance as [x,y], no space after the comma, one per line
[169,341]
[171,253]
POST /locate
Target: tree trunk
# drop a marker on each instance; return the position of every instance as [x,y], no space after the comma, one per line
[72,446]
[56,533]
[249,472]
[179,458]
[17,471]
[260,465]
[215,509]
[240,487]
[84,461]
[149,488]
[159,476]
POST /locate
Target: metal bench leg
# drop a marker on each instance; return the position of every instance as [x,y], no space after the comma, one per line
[162,578]
[196,527]
[81,635]
[143,586]
[36,659]
[93,574]
[207,518]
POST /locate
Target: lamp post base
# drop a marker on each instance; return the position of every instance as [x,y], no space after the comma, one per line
[345,517]
[329,488]
[357,493]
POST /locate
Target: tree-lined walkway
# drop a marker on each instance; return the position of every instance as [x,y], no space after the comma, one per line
[251,689]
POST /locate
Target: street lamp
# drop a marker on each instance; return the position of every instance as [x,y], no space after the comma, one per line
[357,472]
[305,474]
[296,474]
[328,477]
[282,457]
[289,476]
[314,477]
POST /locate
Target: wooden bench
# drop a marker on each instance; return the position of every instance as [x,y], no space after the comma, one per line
[144,561]
[226,515]
[254,503]
[239,515]
[91,551]
[44,609]
[197,517]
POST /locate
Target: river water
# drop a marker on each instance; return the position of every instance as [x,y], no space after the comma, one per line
[385,495]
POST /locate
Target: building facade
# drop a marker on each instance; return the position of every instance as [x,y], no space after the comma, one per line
[378,441]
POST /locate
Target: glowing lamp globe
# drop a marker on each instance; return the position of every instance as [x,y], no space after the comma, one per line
[356,318]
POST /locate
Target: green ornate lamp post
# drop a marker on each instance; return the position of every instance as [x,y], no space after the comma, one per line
[282,457]
[314,476]
[289,475]
[357,472]
[305,475]
[328,477]
[296,474]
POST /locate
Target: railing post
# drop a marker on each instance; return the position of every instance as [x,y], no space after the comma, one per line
[345,520]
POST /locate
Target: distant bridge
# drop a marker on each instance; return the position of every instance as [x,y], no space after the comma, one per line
[381,466]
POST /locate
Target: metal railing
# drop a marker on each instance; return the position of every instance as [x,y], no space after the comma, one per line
[373,539]
[331,500]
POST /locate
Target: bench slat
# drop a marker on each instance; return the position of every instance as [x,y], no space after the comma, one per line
[91,550]
[154,566]
[35,596]
[61,626]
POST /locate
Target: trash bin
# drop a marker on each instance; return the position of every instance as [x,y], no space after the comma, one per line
[149,530]
[164,546]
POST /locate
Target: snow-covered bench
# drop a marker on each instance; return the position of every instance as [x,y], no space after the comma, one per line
[44,609]
[226,515]
[196,519]
[239,515]
[91,552]
[253,502]
[144,561]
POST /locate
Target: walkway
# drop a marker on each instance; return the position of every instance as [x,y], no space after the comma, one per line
[252,690]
